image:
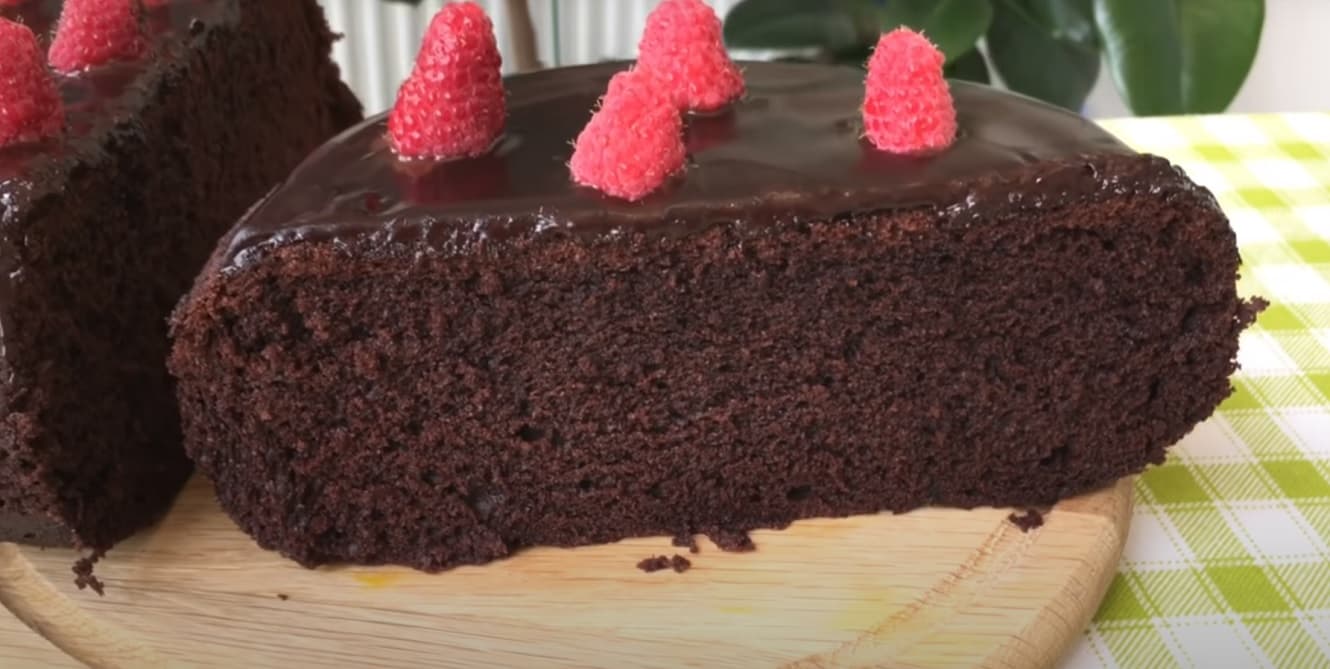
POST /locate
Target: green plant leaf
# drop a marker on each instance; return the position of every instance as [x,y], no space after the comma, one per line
[1179,56]
[1144,52]
[781,24]
[969,66]
[1219,42]
[953,25]
[854,56]
[1071,20]
[1045,49]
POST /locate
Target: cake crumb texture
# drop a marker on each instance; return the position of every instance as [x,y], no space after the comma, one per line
[374,401]
[90,441]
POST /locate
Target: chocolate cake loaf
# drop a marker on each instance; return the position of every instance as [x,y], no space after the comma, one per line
[166,121]
[438,362]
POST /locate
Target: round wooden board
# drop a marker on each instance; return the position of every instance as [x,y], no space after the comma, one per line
[932,588]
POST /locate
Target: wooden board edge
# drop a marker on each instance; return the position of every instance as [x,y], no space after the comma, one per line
[1121,501]
[1042,643]
[36,603]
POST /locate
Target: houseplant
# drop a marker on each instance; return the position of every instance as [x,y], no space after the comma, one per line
[1165,56]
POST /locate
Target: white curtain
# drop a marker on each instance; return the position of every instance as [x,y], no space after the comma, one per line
[381,37]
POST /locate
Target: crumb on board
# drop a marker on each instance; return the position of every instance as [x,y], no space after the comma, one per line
[654,563]
[678,563]
[731,540]
[283,597]
[687,540]
[728,539]
[83,576]
[1028,520]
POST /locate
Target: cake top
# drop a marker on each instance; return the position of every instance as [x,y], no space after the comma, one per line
[792,147]
[101,99]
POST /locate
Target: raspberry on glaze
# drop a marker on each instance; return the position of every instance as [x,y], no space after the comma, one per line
[908,107]
[30,105]
[453,104]
[633,143]
[96,32]
[682,46]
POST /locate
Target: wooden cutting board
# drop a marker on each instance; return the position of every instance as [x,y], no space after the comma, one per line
[932,588]
[22,647]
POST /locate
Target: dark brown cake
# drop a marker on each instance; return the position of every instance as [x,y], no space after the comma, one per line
[389,363]
[102,230]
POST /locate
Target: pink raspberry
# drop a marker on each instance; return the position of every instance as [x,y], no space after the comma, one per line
[907,105]
[682,46]
[453,103]
[633,143]
[96,32]
[30,105]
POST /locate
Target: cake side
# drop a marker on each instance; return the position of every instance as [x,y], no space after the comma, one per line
[104,230]
[375,399]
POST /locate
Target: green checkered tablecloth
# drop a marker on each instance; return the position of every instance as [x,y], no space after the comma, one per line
[1228,561]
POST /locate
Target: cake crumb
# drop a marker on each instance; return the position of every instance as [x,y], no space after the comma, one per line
[1027,521]
[83,576]
[687,540]
[731,540]
[654,564]
[283,597]
[678,563]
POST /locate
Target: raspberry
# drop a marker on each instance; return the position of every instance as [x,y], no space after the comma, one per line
[683,48]
[633,143]
[30,106]
[95,32]
[907,106]
[453,104]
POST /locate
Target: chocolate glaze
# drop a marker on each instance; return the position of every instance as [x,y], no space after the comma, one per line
[790,148]
[101,101]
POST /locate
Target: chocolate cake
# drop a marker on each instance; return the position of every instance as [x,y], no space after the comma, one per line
[104,224]
[439,363]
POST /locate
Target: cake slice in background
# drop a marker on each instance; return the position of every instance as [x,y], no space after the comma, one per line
[170,125]
[835,300]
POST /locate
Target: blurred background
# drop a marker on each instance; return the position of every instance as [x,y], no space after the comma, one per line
[1287,72]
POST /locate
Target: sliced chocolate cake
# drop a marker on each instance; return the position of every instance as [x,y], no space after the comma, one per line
[435,349]
[132,135]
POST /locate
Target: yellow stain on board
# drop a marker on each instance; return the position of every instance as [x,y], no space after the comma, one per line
[377,579]
[865,612]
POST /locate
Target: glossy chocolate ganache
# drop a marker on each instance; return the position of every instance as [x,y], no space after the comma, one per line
[791,147]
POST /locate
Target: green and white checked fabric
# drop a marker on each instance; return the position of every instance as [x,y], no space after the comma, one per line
[1228,561]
